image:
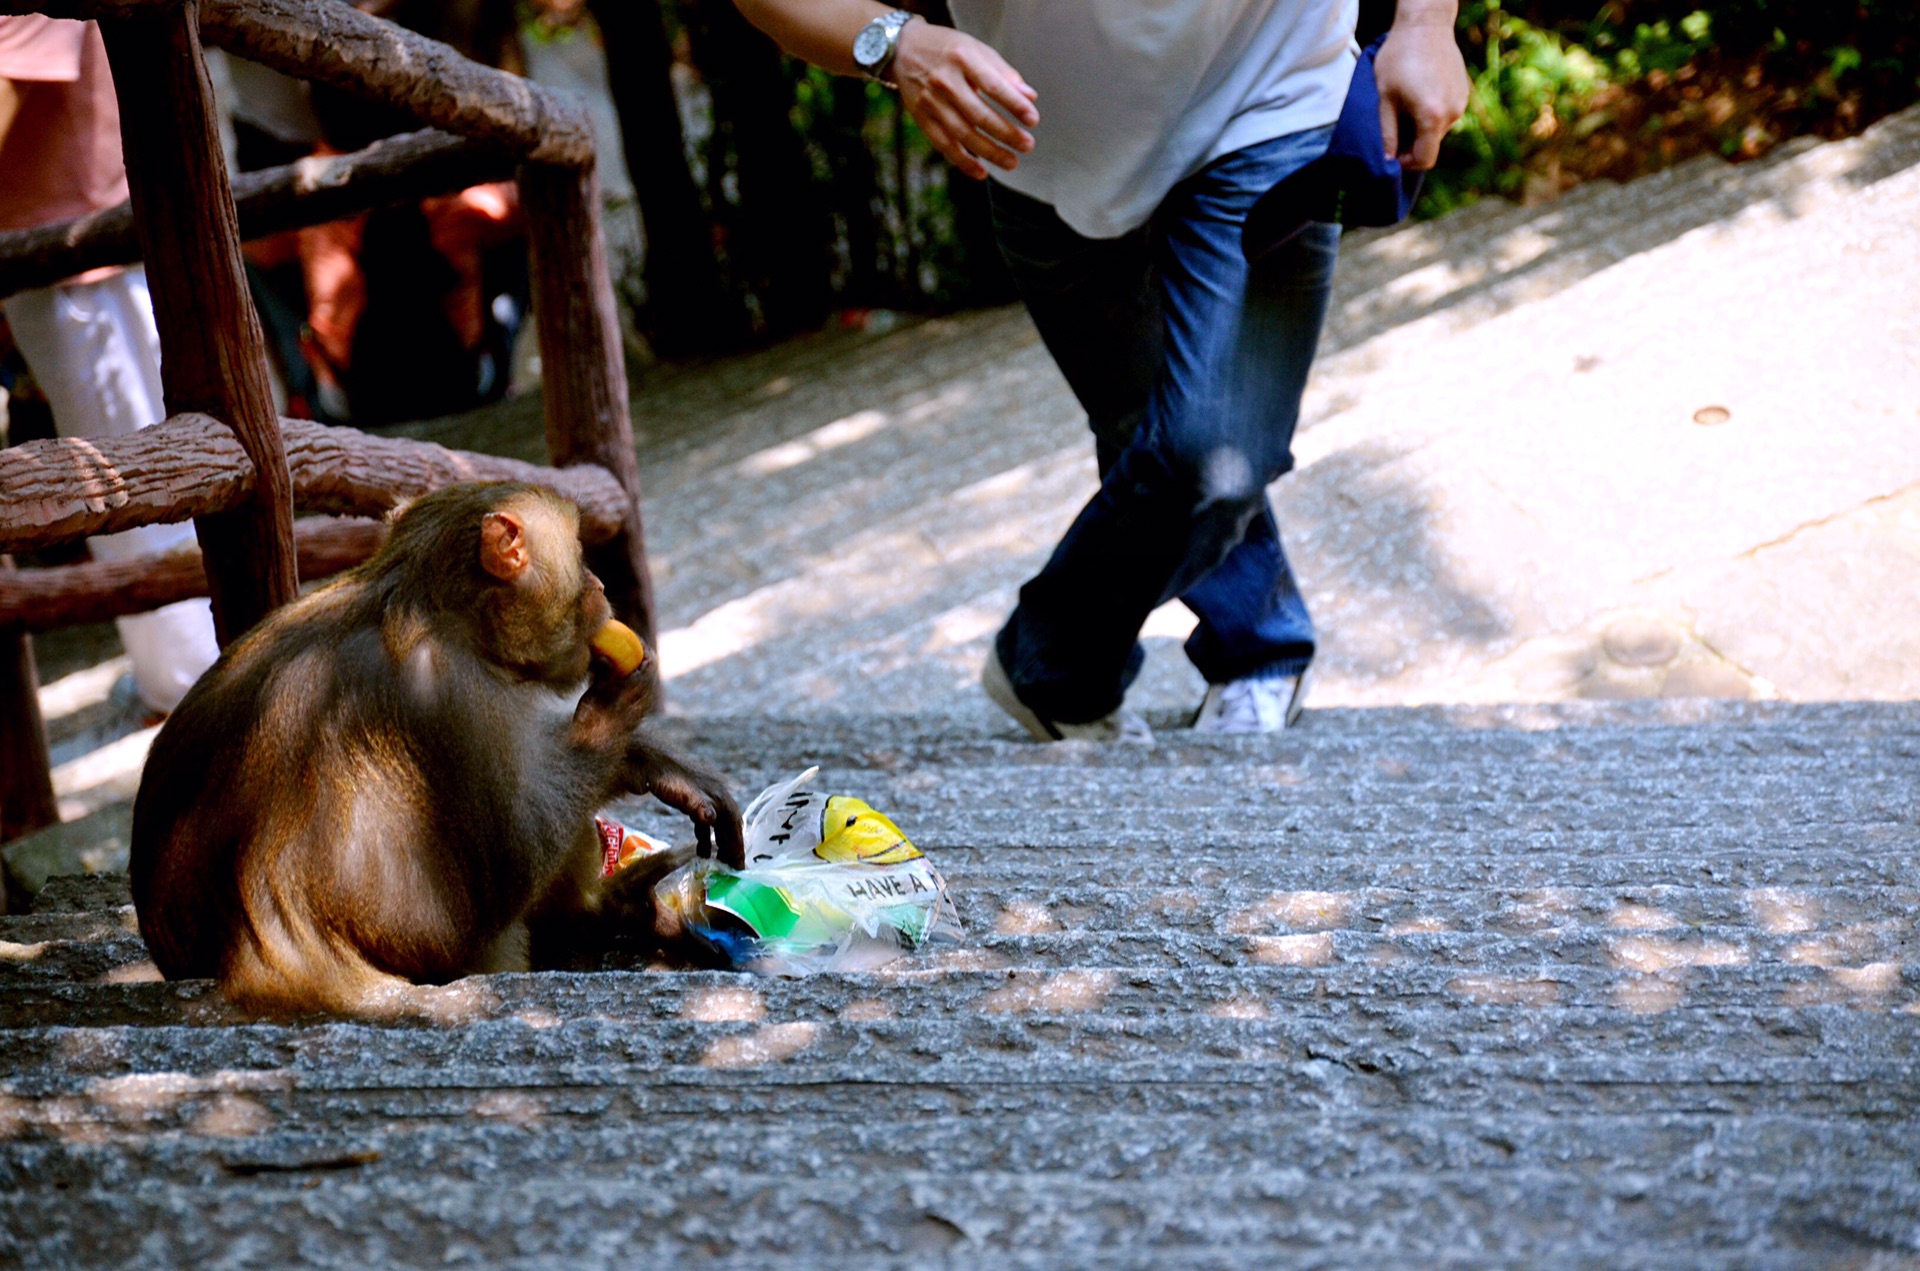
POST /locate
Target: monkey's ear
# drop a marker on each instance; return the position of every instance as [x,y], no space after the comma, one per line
[503,546]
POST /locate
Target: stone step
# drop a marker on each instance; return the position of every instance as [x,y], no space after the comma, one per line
[1422,768]
[1118,824]
[1097,822]
[1663,730]
[1863,959]
[1471,983]
[1639,984]
[1112,1148]
[1872,786]
[990,797]
[1108,891]
[1693,872]
[106,923]
[84,893]
[1166,972]
[811,1104]
[1264,1218]
[1287,856]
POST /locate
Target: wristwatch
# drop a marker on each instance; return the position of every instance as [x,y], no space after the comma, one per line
[878,41]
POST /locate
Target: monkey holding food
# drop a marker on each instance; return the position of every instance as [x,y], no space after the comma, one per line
[391,781]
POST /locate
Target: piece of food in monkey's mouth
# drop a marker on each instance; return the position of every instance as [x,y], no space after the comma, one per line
[620,645]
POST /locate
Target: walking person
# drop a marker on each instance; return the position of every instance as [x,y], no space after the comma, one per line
[1120,217]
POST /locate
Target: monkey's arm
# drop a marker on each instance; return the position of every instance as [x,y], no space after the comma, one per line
[608,718]
[585,915]
[695,790]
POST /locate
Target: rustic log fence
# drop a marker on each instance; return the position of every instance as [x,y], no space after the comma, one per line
[223,458]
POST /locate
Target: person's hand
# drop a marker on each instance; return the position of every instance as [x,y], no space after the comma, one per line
[1422,77]
[950,84]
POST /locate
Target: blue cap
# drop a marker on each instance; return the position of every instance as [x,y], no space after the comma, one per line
[1355,183]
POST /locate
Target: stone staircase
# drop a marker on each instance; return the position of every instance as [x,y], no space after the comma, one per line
[1536,985]
[1623,985]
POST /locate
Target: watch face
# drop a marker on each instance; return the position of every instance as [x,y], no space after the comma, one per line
[870,45]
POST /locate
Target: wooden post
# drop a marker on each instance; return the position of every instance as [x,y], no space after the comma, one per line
[26,782]
[583,371]
[213,357]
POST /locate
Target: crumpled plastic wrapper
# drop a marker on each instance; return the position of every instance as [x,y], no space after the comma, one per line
[830,885]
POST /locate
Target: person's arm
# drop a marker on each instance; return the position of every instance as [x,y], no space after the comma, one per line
[1423,78]
[949,82]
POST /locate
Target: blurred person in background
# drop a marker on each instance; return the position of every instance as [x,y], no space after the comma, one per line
[1120,216]
[403,312]
[90,340]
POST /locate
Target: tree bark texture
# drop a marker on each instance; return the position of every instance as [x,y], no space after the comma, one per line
[308,192]
[26,781]
[855,186]
[52,599]
[583,369]
[337,45]
[780,238]
[213,355]
[689,309]
[192,466]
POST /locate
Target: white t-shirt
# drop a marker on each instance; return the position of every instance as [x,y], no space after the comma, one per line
[1136,95]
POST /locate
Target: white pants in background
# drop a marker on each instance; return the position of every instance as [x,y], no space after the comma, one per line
[94,349]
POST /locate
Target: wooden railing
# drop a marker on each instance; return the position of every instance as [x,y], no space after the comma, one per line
[223,458]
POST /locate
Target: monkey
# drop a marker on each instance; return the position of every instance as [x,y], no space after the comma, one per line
[390,782]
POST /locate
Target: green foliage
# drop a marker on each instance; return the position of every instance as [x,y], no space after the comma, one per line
[1730,75]
[1526,81]
[1655,46]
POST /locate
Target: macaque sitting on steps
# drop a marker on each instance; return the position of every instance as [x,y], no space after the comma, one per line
[391,782]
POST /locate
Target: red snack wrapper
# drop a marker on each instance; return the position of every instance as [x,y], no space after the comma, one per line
[622,844]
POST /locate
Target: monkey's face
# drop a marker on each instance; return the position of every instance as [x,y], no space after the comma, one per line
[548,604]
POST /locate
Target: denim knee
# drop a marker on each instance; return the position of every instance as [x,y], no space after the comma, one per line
[1219,525]
[1227,470]
[1217,492]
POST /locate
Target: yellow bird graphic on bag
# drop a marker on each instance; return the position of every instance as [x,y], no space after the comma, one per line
[851,831]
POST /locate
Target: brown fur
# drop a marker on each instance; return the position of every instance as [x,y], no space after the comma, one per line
[387,783]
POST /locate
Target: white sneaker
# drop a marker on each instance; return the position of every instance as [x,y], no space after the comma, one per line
[1263,705]
[1122,726]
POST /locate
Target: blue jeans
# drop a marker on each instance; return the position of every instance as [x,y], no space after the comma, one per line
[1190,365]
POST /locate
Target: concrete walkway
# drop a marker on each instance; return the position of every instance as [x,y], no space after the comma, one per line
[1655,439]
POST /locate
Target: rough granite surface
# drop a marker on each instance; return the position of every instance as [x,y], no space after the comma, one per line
[1609,984]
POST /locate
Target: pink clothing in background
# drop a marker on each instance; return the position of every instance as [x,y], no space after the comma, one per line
[61,157]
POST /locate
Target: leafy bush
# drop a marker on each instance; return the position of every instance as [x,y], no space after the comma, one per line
[1564,93]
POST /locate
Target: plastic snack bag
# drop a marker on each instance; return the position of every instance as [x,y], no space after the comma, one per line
[830,885]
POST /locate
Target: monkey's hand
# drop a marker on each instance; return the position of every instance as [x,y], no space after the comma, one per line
[614,704]
[628,901]
[699,793]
